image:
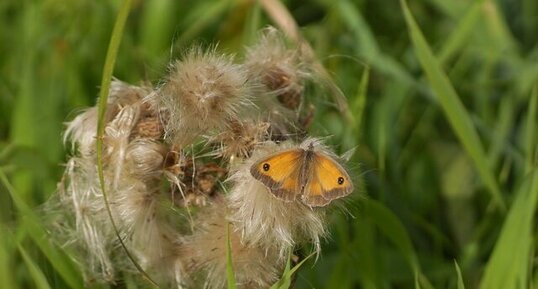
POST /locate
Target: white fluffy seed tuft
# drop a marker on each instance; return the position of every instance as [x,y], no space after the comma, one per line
[204,255]
[265,220]
[205,90]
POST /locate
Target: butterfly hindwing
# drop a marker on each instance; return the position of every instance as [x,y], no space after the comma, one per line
[328,181]
[280,173]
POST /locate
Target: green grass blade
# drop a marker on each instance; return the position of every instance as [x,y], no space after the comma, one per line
[278,284]
[6,267]
[367,46]
[35,229]
[359,103]
[36,273]
[24,124]
[531,127]
[463,30]
[201,17]
[394,230]
[424,282]
[285,281]
[230,276]
[454,110]
[155,26]
[460,278]
[108,68]
[450,8]
[501,131]
[500,35]
[365,246]
[530,22]
[507,267]
[253,22]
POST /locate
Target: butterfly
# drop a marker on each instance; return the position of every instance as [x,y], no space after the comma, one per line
[309,173]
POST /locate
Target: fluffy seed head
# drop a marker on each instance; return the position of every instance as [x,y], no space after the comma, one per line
[81,132]
[205,90]
[136,206]
[265,220]
[122,93]
[146,134]
[82,220]
[145,159]
[204,254]
[279,68]
[240,138]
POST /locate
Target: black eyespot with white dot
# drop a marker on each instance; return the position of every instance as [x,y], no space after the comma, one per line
[340,180]
[266,167]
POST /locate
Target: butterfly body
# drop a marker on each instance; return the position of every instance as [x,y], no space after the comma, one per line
[307,173]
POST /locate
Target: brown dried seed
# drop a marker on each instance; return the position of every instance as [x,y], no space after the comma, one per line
[206,184]
[291,97]
[289,87]
[176,164]
[149,127]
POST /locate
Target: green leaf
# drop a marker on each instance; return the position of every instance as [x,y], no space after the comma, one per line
[393,229]
[531,127]
[367,46]
[460,278]
[389,224]
[253,22]
[202,16]
[462,32]
[36,273]
[507,267]
[359,103]
[106,79]
[155,26]
[454,110]
[6,261]
[32,225]
[285,281]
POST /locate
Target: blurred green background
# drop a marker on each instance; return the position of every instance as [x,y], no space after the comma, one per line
[444,135]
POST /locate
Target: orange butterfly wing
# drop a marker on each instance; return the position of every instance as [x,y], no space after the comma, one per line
[329,181]
[280,173]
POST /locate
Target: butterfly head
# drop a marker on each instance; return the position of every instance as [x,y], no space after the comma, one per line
[311,146]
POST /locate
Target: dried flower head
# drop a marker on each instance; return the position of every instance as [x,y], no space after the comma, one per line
[145,159]
[204,254]
[137,210]
[239,139]
[266,220]
[133,165]
[205,90]
[153,180]
[122,93]
[82,130]
[198,182]
[280,69]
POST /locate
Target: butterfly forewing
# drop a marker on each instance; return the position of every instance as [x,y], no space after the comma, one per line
[329,181]
[280,173]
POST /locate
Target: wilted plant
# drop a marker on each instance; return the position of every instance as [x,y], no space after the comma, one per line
[178,166]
